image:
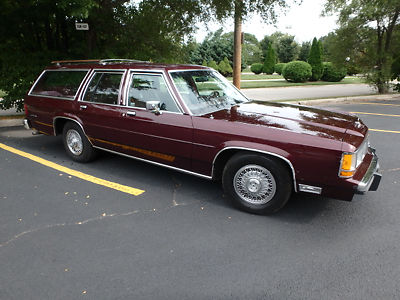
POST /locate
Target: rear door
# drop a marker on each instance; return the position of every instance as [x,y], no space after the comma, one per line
[100,106]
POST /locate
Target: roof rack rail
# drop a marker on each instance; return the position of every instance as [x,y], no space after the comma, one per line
[119,60]
[66,62]
[99,61]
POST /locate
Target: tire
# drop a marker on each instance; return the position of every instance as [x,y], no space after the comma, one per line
[257,184]
[76,143]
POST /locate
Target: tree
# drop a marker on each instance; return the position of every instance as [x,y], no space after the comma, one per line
[367,28]
[216,46]
[287,49]
[304,51]
[251,51]
[240,9]
[224,67]
[44,30]
[270,60]
[315,60]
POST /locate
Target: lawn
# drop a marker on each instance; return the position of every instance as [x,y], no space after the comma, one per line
[258,77]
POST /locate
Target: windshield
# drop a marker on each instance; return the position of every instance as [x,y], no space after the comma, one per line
[206,91]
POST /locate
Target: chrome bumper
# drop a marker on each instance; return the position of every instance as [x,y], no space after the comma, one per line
[372,177]
[27,124]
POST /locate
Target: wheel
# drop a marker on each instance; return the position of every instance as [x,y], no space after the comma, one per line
[257,184]
[76,143]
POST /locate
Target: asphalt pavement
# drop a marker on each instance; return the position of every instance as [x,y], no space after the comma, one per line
[62,237]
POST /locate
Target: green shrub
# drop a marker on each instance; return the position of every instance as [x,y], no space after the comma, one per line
[213,64]
[270,60]
[333,73]
[256,68]
[224,67]
[315,60]
[279,68]
[352,69]
[204,63]
[297,71]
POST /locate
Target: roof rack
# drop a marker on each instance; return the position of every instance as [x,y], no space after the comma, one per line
[99,61]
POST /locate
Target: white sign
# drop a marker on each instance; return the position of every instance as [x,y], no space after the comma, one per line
[82,26]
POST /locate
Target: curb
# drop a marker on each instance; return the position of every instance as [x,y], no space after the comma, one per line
[11,122]
[311,102]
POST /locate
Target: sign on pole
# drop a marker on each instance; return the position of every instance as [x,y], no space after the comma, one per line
[81,26]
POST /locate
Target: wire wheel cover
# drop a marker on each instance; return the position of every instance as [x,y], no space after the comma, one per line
[254,184]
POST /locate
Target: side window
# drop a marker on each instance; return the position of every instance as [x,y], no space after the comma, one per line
[150,87]
[103,88]
[60,84]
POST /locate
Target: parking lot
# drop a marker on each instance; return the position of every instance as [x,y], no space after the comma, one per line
[117,228]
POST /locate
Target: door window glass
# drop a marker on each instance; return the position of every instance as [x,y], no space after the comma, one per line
[150,87]
[104,88]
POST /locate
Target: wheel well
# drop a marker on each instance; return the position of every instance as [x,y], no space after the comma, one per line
[59,125]
[223,157]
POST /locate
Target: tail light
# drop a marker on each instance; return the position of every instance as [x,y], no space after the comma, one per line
[26,109]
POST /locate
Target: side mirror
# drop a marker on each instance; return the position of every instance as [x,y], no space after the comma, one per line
[154,106]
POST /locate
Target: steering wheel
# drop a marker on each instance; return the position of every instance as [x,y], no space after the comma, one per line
[214,94]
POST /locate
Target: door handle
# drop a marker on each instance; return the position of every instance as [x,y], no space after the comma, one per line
[83,106]
[131,113]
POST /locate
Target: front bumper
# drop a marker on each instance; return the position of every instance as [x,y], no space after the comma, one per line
[372,177]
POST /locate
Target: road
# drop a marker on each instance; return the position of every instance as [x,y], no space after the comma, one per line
[309,92]
[62,237]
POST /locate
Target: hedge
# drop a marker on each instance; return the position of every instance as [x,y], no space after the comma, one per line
[256,68]
[333,73]
[297,71]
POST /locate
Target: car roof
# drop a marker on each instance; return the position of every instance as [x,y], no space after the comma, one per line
[119,64]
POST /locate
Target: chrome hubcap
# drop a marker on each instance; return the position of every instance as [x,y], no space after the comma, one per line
[74,142]
[254,184]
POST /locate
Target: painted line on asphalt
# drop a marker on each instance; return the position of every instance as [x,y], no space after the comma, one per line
[375,103]
[78,174]
[381,130]
[374,114]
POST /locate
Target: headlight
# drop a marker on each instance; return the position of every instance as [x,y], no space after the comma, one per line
[351,161]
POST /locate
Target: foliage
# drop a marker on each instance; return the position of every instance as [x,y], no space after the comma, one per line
[333,73]
[367,33]
[396,73]
[213,64]
[297,71]
[225,68]
[279,67]
[270,61]
[44,30]
[304,51]
[216,46]
[251,51]
[257,68]
[315,60]
[287,49]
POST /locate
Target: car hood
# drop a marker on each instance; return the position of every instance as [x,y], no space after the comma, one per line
[295,118]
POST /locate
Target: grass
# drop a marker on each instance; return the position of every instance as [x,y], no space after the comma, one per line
[284,83]
[257,77]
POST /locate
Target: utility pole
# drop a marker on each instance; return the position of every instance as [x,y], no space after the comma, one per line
[237,44]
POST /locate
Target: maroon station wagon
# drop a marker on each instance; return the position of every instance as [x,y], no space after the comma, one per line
[191,119]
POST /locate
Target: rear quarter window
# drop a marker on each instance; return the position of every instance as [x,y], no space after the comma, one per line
[59,84]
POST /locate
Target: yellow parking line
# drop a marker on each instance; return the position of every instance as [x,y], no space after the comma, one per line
[95,180]
[374,114]
[381,130]
[375,103]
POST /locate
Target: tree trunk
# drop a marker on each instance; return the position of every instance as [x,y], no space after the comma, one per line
[237,44]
